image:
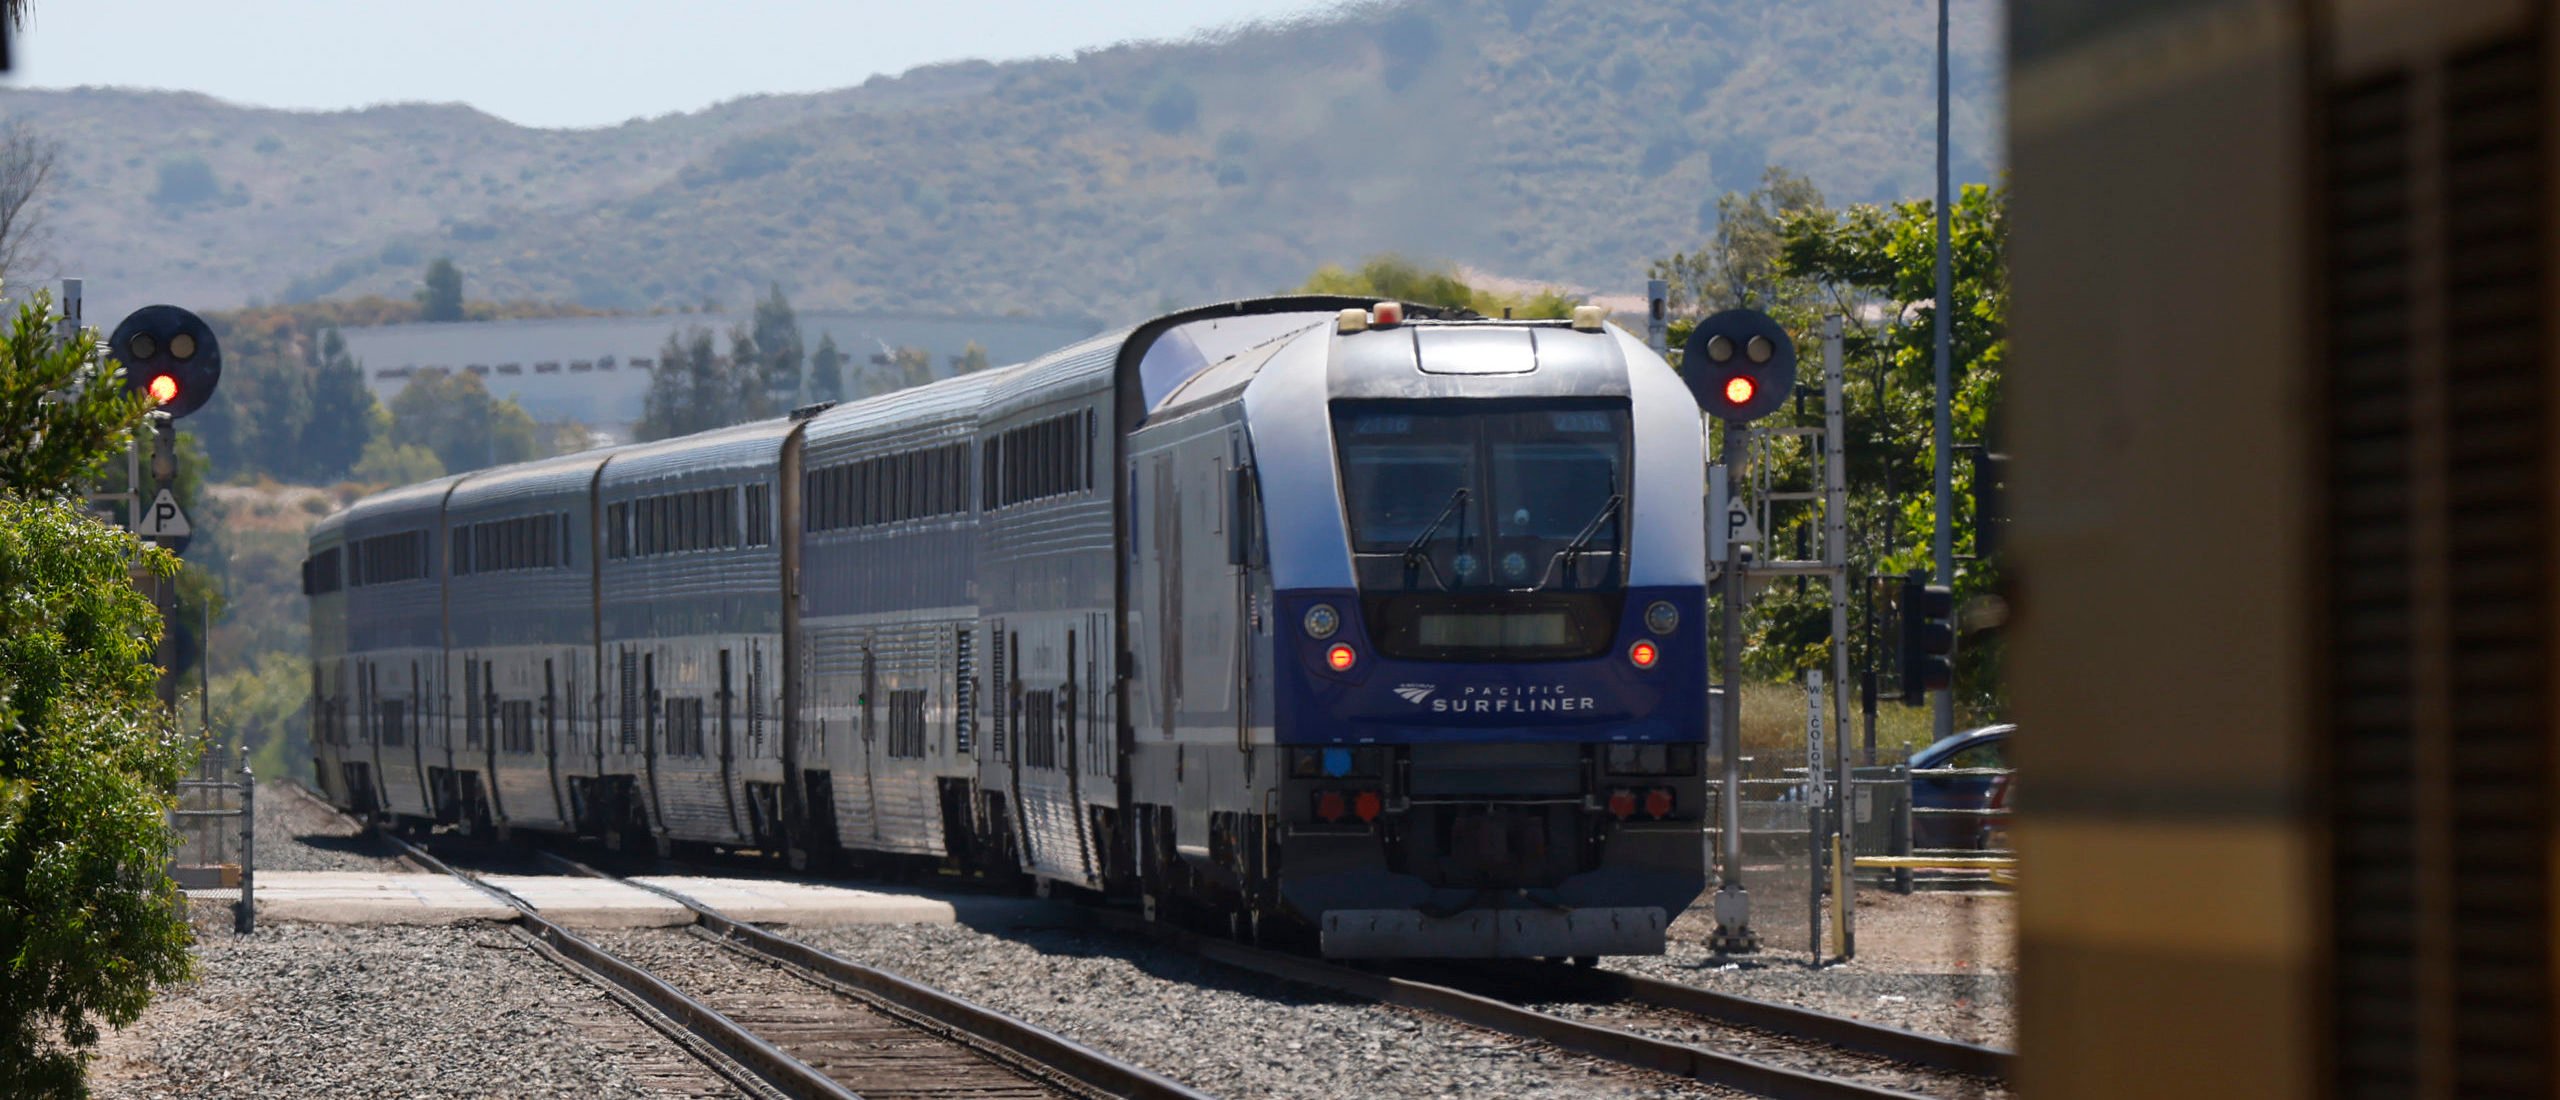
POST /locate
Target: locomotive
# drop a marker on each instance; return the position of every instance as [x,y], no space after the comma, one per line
[1365,620]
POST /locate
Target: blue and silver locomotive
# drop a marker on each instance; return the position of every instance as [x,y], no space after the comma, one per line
[1294,612]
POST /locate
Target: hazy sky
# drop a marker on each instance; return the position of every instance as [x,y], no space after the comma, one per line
[564,62]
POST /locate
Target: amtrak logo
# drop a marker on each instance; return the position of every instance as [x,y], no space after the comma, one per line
[1415,693]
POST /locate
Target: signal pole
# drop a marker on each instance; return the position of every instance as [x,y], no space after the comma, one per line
[1941,541]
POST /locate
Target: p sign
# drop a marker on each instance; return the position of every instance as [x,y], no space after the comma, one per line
[162,521]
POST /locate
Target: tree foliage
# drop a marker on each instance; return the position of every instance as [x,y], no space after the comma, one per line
[1395,277]
[440,295]
[453,416]
[1781,249]
[89,921]
[826,370]
[60,417]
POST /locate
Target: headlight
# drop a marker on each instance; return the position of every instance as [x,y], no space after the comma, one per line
[1661,618]
[1322,621]
[1638,759]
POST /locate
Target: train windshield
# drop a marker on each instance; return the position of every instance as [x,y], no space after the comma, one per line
[1483,529]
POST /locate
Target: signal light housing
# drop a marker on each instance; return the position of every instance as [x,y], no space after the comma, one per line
[1740,364]
[1329,807]
[1622,804]
[1367,805]
[1644,654]
[1928,638]
[1658,803]
[1341,657]
[169,355]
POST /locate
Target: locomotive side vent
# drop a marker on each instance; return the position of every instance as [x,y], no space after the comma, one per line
[2439,546]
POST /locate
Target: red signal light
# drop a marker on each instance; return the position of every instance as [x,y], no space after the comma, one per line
[1340,657]
[1657,802]
[1329,805]
[1643,654]
[1740,389]
[1622,804]
[163,389]
[1367,805]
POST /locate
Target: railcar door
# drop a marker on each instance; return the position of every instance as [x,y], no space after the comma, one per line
[551,737]
[728,746]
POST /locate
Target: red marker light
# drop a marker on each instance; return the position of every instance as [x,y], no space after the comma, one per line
[1329,805]
[1622,804]
[164,389]
[1643,654]
[1367,805]
[1341,657]
[1740,389]
[1657,802]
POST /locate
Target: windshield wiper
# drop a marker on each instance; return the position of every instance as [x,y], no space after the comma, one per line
[1413,551]
[1581,543]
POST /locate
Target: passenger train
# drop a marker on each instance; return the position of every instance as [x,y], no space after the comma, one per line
[1345,617]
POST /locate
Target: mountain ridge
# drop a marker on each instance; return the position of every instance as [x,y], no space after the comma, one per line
[1562,140]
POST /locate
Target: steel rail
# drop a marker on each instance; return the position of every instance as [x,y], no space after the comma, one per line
[1606,1043]
[779,1069]
[1916,1048]
[1010,1039]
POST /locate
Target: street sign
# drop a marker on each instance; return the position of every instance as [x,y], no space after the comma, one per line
[165,522]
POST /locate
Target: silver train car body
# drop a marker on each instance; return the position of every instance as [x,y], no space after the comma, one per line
[1040,622]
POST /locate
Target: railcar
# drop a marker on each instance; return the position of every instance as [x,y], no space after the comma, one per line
[394,655]
[1368,623]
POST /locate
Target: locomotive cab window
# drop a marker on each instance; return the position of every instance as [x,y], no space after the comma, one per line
[1487,531]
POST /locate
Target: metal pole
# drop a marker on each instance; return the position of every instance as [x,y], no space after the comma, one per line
[1814,805]
[244,914]
[1941,543]
[1733,933]
[1835,514]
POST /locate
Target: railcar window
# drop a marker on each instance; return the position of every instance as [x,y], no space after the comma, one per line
[389,559]
[684,727]
[759,515]
[1052,457]
[320,573]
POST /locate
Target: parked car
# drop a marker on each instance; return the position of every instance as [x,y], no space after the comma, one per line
[1984,747]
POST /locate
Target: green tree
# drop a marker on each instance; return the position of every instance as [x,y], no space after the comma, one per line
[388,463]
[454,416]
[1742,266]
[60,419]
[339,424]
[89,921]
[826,370]
[441,298]
[777,336]
[973,358]
[745,380]
[1395,277]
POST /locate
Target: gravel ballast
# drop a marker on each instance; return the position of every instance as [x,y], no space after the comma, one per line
[325,1011]
[1937,963]
[1225,1032]
[296,833]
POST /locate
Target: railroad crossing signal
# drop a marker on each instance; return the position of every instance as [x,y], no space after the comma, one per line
[1740,364]
[1928,638]
[169,354]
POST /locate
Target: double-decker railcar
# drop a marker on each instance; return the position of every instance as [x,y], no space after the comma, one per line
[393,605]
[689,609]
[1286,610]
[521,633]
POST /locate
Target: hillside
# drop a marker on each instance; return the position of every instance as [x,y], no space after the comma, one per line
[1558,140]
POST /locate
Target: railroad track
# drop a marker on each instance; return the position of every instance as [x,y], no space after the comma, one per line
[1757,1047]
[807,1024]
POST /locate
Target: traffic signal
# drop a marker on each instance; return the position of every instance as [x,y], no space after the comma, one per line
[1928,638]
[169,354]
[1740,364]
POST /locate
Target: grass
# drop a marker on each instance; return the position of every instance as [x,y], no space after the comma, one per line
[1773,720]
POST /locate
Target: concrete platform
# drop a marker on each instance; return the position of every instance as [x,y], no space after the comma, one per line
[768,901]
[363,897]
[593,902]
[370,897]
